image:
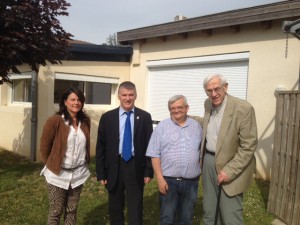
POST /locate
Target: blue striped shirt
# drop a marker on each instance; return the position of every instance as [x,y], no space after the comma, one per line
[122,119]
[177,147]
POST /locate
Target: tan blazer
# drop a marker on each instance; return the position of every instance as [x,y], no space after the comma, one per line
[236,143]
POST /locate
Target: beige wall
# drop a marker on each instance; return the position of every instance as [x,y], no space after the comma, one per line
[268,69]
[15,121]
[15,128]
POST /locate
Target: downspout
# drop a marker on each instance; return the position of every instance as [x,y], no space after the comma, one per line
[33,116]
[293,27]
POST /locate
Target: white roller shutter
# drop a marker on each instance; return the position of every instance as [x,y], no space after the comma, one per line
[185,76]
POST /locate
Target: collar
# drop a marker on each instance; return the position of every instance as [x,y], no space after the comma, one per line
[186,122]
[122,111]
[67,122]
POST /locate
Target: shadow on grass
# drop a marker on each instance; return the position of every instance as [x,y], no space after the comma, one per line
[99,214]
[12,162]
[24,197]
[263,187]
[152,211]
[13,167]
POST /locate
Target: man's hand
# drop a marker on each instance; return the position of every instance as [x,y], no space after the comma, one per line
[103,182]
[162,186]
[222,177]
[147,180]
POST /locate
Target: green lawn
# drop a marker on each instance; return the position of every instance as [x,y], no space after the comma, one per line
[23,197]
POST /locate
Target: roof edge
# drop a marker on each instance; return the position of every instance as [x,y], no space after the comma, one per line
[279,10]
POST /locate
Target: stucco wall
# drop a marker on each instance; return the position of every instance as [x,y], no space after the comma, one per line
[15,122]
[15,128]
[268,69]
[46,88]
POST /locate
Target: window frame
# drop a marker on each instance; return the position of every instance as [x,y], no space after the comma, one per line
[22,76]
[114,81]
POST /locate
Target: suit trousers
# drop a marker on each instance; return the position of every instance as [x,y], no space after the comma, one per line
[127,188]
[231,207]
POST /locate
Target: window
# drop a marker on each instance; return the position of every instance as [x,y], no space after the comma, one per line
[185,76]
[21,88]
[97,90]
[98,93]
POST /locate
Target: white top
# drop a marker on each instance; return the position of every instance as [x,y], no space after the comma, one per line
[75,156]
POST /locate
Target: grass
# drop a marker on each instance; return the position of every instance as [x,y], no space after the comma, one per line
[23,197]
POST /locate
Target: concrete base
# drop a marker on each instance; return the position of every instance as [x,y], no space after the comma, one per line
[278,222]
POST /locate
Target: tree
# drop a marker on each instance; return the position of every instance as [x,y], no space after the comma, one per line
[112,40]
[30,33]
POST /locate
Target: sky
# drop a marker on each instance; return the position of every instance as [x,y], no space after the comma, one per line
[95,20]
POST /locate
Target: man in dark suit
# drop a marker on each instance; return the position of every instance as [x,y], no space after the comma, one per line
[124,177]
[229,142]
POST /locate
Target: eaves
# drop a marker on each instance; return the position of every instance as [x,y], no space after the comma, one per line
[92,52]
[234,18]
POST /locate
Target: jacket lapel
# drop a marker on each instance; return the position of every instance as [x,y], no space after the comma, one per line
[115,121]
[137,118]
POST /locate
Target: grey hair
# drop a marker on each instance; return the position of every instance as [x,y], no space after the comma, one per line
[127,85]
[176,98]
[221,78]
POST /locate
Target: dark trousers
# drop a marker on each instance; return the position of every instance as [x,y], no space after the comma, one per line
[127,188]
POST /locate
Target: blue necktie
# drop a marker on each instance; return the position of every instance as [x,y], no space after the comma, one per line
[127,139]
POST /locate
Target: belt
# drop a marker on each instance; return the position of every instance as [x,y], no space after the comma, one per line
[72,169]
[120,157]
[182,178]
[211,153]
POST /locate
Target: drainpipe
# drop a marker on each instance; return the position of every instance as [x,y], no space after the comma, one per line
[33,116]
[292,27]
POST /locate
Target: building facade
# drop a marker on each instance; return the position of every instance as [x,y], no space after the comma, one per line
[248,46]
[97,70]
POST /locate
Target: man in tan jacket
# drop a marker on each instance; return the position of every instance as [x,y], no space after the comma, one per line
[229,142]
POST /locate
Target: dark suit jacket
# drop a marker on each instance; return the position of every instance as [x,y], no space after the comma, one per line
[236,143]
[107,148]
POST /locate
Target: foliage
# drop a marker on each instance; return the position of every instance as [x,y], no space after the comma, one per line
[112,40]
[30,33]
[24,200]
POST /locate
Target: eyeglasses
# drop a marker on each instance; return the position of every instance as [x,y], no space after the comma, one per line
[216,90]
[179,108]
